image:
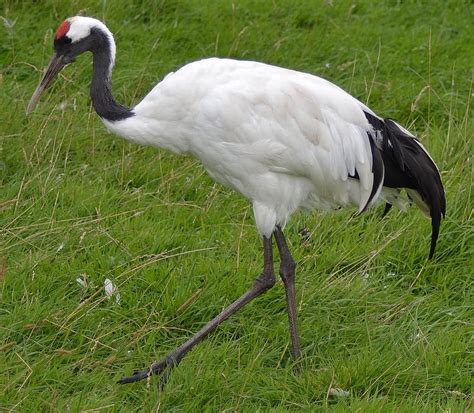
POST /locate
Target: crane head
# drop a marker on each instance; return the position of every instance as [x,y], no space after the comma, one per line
[73,37]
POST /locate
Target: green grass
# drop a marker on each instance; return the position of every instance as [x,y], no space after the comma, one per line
[376,318]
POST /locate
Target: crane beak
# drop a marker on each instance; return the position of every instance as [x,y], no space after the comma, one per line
[54,67]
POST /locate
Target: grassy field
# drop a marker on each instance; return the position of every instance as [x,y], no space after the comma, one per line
[377,319]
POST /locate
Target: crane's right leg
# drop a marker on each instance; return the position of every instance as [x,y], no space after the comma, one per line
[264,282]
[287,273]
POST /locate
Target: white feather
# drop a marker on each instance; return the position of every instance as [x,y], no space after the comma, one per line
[80,27]
[281,138]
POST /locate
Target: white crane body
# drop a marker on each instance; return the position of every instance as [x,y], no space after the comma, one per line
[283,139]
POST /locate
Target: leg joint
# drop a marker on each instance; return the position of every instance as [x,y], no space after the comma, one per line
[287,269]
[265,280]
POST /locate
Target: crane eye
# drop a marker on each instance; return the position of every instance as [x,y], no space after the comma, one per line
[67,40]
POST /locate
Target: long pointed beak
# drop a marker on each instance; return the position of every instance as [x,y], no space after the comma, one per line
[54,67]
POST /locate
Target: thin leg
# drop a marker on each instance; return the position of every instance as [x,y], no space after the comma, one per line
[287,273]
[264,282]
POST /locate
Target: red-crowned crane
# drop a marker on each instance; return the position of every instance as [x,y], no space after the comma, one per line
[283,139]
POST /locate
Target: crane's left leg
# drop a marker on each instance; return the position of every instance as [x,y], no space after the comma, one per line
[287,273]
[263,283]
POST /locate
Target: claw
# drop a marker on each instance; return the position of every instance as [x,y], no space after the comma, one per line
[164,377]
[160,367]
[137,376]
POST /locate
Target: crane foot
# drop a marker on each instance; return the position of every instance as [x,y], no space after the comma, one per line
[162,367]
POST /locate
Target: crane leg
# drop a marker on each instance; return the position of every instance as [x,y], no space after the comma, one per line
[264,282]
[287,273]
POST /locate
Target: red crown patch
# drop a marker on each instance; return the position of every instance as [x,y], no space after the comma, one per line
[62,29]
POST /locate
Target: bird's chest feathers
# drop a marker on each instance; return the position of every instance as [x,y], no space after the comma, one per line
[162,133]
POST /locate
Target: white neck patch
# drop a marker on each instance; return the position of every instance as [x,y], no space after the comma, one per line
[80,27]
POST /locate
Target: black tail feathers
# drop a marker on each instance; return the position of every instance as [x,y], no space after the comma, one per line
[408,165]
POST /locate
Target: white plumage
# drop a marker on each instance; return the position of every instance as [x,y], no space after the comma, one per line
[283,139]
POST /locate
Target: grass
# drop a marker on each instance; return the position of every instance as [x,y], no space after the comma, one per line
[376,318]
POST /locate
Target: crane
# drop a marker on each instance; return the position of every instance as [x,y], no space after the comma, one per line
[284,139]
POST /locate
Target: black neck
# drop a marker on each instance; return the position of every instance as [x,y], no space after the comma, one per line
[101,86]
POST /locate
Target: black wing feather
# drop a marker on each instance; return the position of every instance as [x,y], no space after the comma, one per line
[408,165]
